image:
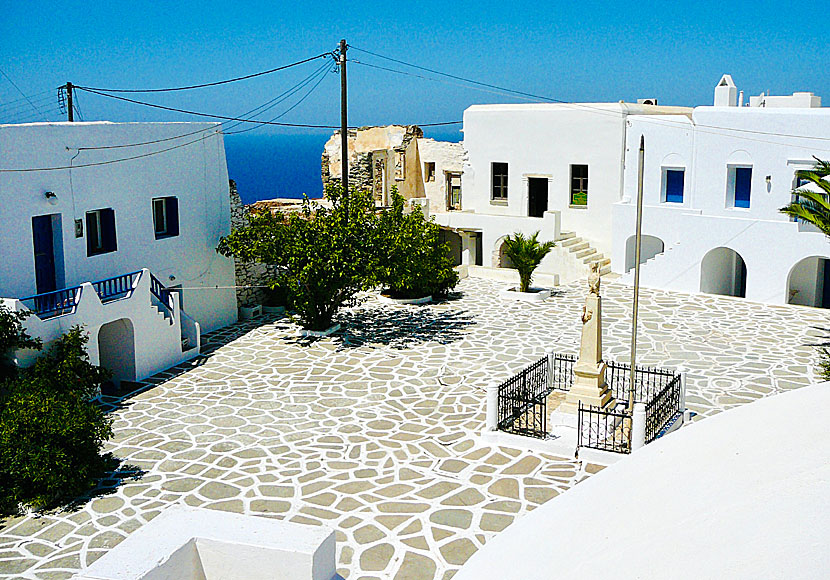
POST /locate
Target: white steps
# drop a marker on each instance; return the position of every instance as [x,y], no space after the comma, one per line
[582,250]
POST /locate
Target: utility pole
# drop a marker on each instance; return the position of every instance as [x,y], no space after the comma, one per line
[344,121]
[637,240]
[69,112]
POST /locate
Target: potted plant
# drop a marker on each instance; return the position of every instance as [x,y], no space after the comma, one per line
[526,253]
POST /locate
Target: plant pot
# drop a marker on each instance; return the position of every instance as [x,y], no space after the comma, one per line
[249,312]
[532,295]
[421,300]
[319,333]
[273,309]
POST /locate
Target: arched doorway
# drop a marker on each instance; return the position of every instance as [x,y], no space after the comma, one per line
[723,271]
[650,246]
[500,259]
[116,350]
[808,283]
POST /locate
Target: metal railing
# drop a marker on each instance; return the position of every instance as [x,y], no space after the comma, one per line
[562,371]
[648,381]
[661,409]
[51,304]
[604,429]
[521,401]
[163,294]
[116,287]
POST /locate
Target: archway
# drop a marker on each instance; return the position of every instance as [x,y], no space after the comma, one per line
[808,284]
[723,271]
[116,350]
[650,246]
[500,259]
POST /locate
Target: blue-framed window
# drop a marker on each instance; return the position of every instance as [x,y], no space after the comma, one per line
[673,180]
[743,186]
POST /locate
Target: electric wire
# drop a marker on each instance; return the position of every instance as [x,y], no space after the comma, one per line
[24,97]
[265,106]
[8,78]
[665,122]
[211,84]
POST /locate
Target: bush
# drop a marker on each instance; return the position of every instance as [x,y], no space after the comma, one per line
[325,255]
[526,254]
[13,337]
[51,432]
[413,262]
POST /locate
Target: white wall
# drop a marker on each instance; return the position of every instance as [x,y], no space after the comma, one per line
[768,242]
[196,174]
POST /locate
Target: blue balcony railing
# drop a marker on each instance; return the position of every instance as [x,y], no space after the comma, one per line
[116,287]
[161,292]
[51,304]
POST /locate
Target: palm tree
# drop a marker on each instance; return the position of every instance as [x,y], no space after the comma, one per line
[810,205]
[526,254]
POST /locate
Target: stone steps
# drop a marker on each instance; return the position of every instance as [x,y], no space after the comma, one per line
[582,250]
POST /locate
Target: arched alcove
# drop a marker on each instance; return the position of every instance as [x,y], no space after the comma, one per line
[723,271]
[116,349]
[650,246]
[808,284]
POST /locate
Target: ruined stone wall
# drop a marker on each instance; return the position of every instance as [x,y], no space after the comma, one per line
[249,275]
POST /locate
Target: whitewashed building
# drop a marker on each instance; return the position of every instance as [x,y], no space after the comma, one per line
[713,183]
[555,168]
[114,226]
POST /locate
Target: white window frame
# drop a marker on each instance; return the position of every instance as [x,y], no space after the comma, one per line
[730,185]
[164,231]
[664,183]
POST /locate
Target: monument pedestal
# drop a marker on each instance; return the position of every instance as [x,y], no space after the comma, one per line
[589,388]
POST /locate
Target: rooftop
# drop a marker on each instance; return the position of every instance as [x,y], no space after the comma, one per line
[375,431]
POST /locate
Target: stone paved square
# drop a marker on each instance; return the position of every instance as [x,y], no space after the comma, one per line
[374,431]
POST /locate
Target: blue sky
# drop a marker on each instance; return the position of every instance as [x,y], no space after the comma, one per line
[574,51]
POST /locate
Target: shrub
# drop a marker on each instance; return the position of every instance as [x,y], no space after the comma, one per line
[414,263]
[526,255]
[51,432]
[325,254]
[13,337]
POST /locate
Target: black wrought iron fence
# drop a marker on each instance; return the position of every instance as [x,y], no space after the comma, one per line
[562,371]
[604,429]
[522,399]
[648,381]
[663,408]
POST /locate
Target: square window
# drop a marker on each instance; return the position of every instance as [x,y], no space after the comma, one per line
[499,181]
[165,217]
[429,171]
[100,232]
[739,184]
[579,185]
[673,181]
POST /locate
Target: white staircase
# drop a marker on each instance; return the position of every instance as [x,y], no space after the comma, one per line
[581,250]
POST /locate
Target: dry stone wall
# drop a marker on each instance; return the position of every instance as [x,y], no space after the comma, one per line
[251,277]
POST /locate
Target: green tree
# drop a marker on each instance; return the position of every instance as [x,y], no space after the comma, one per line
[325,255]
[413,262]
[526,255]
[51,431]
[13,337]
[810,205]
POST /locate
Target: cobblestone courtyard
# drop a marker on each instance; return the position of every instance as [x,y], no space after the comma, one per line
[373,431]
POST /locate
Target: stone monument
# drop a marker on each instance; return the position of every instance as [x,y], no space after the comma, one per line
[589,372]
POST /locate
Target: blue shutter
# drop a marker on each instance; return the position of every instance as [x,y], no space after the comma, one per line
[108,230]
[743,186]
[172,216]
[674,185]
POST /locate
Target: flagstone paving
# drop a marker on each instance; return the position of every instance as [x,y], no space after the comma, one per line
[373,431]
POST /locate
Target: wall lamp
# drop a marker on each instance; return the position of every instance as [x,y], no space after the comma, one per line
[51,197]
[769,182]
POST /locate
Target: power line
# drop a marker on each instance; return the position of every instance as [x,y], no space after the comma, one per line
[665,122]
[255,110]
[212,84]
[24,97]
[197,113]
[8,78]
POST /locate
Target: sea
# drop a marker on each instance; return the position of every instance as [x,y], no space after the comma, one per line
[267,166]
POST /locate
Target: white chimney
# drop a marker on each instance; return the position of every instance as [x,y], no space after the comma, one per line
[726,93]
